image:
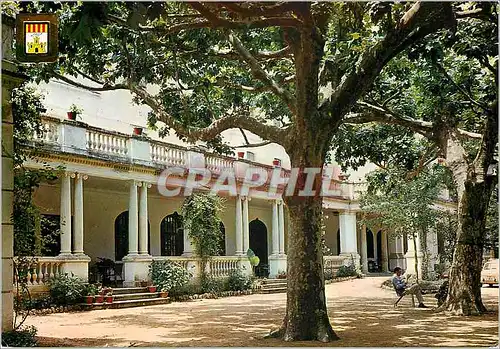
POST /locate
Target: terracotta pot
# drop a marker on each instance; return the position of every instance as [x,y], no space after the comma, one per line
[152,289]
[163,294]
[241,154]
[138,131]
[99,298]
[276,162]
[71,115]
[89,299]
[109,299]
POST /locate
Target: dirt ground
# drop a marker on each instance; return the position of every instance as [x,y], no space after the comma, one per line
[361,312]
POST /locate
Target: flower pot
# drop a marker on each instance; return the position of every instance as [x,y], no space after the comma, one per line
[152,289]
[109,299]
[276,163]
[89,299]
[163,294]
[71,115]
[138,131]
[99,298]
[241,154]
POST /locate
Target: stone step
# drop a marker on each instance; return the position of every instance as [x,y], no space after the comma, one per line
[131,296]
[127,303]
[273,290]
[138,303]
[129,290]
[274,286]
[273,281]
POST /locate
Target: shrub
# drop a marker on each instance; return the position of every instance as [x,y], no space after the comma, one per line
[190,288]
[237,281]
[22,337]
[167,275]
[213,285]
[66,289]
[347,270]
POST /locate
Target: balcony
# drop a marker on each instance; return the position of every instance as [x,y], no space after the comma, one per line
[78,138]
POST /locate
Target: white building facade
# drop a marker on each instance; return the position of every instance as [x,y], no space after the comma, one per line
[108,202]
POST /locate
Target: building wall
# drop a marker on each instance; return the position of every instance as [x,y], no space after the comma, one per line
[332,227]
[102,206]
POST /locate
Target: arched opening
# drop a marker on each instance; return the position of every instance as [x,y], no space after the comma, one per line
[369,244]
[258,244]
[338,241]
[379,251]
[222,246]
[172,235]
[121,236]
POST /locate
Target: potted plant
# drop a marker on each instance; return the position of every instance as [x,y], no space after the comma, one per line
[74,111]
[109,297]
[241,154]
[138,130]
[152,289]
[91,291]
[277,162]
[163,293]
[99,298]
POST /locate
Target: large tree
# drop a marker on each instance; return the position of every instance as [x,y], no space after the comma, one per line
[449,96]
[287,72]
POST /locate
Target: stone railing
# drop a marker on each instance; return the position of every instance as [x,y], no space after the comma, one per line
[222,266]
[41,270]
[167,154]
[332,263]
[106,143]
[216,164]
[219,266]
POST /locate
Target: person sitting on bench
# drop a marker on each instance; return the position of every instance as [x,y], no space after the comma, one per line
[402,290]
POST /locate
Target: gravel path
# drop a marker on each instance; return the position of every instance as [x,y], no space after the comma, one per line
[361,313]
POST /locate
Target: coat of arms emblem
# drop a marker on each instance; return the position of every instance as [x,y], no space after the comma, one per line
[36,37]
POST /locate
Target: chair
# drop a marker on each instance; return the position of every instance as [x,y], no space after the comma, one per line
[401,294]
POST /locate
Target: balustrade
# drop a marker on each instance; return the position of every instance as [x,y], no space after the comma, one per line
[101,142]
[41,270]
[164,154]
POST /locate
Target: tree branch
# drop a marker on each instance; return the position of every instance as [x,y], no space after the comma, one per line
[253,145]
[259,73]
[421,19]
[243,120]
[90,88]
[262,10]
[462,90]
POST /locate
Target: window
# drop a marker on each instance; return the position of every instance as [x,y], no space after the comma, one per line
[172,235]
[250,156]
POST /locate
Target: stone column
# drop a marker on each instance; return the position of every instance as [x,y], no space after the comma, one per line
[78,205]
[348,240]
[375,248]
[410,256]
[133,225]
[239,228]
[143,219]
[246,236]
[65,214]
[384,259]
[396,255]
[10,80]
[364,250]
[135,265]
[281,225]
[275,229]
[188,245]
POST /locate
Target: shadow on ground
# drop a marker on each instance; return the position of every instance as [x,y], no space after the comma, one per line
[360,321]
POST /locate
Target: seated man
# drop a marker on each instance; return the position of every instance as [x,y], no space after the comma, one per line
[403,290]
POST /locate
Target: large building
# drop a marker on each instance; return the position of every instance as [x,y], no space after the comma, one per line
[108,202]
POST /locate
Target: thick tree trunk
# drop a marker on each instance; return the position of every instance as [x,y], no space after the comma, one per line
[464,296]
[306,312]
[474,187]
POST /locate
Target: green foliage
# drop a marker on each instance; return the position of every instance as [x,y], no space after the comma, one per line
[237,281]
[346,270]
[491,239]
[22,337]
[167,275]
[201,214]
[75,109]
[213,285]
[67,289]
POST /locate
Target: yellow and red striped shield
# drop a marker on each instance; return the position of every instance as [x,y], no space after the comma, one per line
[36,35]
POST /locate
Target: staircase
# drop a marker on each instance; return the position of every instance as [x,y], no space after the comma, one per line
[273,286]
[129,297]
